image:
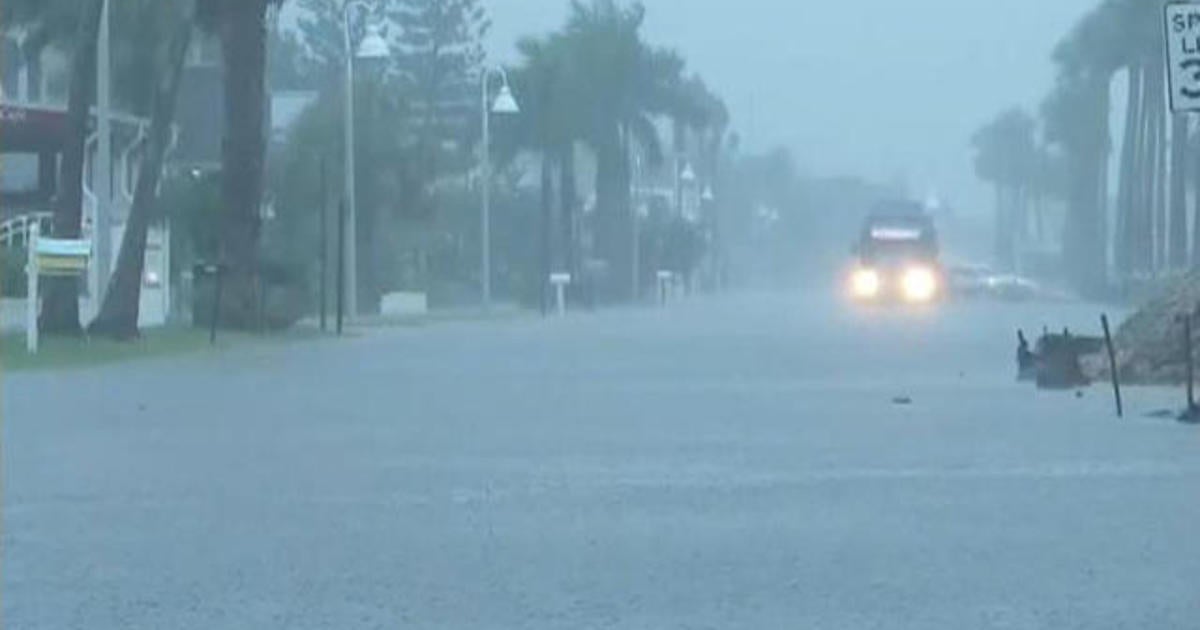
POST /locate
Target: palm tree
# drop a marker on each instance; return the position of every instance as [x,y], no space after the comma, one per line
[241,25]
[623,84]
[1076,121]
[1124,36]
[1076,118]
[596,82]
[1006,155]
[546,90]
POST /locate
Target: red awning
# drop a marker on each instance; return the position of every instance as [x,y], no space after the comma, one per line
[32,129]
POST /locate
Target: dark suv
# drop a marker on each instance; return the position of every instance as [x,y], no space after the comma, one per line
[897,257]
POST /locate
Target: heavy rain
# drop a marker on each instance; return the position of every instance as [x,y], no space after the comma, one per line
[468,314]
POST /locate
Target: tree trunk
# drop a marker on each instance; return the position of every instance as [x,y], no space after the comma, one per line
[1195,166]
[1081,232]
[568,206]
[1128,182]
[1141,186]
[118,317]
[612,199]
[1084,246]
[243,44]
[1159,207]
[1149,252]
[546,230]
[1195,180]
[1002,245]
[1178,229]
[1039,217]
[60,309]
[1143,243]
[1021,229]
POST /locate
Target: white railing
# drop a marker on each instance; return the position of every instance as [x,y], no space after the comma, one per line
[15,231]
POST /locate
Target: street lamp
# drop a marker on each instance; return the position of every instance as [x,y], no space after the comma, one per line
[689,174]
[504,104]
[373,47]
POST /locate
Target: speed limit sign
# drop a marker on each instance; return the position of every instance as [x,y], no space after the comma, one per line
[1183,55]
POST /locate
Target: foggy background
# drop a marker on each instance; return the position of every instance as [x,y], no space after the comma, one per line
[854,88]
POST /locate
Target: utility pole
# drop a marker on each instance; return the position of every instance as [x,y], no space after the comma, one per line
[350,245]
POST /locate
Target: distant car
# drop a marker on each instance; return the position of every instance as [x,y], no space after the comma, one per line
[969,280]
[1012,287]
[897,258]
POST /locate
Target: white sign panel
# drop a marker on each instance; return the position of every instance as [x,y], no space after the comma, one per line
[1183,55]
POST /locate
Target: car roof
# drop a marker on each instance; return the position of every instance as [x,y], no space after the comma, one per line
[897,208]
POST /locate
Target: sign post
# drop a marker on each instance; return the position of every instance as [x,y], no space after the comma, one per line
[560,281]
[49,257]
[1183,55]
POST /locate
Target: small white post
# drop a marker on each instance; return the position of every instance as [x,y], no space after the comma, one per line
[32,299]
[664,286]
[165,270]
[560,282]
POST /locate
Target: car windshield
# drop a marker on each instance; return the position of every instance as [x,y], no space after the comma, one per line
[882,251]
[612,314]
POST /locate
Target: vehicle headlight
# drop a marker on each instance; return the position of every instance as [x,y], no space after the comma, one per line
[920,284]
[865,283]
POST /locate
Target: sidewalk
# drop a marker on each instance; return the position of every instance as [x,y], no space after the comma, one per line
[70,353]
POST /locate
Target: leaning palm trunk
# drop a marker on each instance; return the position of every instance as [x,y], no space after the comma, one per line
[118,316]
[1195,177]
[1127,183]
[1139,211]
[243,43]
[1177,238]
[1143,240]
[1159,180]
[60,310]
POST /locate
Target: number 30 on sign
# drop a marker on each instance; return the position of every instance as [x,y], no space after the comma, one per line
[1183,55]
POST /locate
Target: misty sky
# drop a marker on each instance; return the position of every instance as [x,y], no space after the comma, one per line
[885,89]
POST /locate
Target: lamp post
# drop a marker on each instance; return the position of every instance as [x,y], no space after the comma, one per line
[372,47]
[687,181]
[504,104]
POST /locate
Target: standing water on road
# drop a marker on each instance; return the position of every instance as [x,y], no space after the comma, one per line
[477,314]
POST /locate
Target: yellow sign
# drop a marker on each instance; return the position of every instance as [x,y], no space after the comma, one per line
[61,265]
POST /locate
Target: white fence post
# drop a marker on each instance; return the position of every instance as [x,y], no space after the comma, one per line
[664,286]
[31,294]
[560,282]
